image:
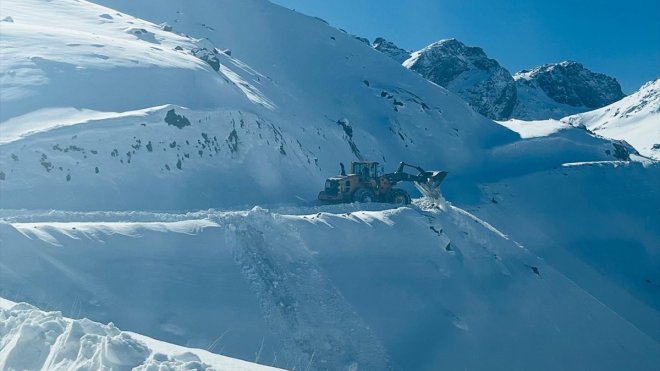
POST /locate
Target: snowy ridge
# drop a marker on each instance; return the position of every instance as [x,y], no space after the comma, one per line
[275,119]
[31,339]
[390,49]
[635,119]
[297,287]
[551,91]
[468,72]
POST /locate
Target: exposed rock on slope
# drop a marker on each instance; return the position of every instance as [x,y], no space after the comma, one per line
[560,89]
[391,49]
[549,91]
[468,72]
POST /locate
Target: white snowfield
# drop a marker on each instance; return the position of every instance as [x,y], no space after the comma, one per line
[289,289]
[546,257]
[635,119]
[31,339]
[534,129]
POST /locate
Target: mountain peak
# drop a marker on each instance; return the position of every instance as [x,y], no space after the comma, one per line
[571,84]
[468,72]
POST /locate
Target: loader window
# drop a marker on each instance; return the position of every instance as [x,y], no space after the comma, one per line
[357,169]
[365,172]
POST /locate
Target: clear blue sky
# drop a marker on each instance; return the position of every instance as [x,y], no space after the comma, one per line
[619,38]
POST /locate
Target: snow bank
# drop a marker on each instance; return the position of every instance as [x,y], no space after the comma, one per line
[329,287]
[31,339]
[533,129]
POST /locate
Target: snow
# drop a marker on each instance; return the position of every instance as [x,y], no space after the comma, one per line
[534,103]
[555,90]
[31,339]
[635,119]
[533,129]
[173,196]
[463,282]
[619,264]
[45,231]
[52,118]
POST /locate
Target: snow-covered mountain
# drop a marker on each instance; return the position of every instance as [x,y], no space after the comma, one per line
[555,90]
[236,103]
[635,119]
[551,91]
[468,72]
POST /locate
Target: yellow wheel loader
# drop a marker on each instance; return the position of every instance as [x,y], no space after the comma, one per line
[367,182]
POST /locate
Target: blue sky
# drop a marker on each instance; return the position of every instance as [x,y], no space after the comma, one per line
[619,38]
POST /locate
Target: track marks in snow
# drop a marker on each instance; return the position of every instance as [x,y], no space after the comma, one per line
[318,326]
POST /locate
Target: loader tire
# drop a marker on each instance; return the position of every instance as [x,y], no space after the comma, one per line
[398,197]
[364,195]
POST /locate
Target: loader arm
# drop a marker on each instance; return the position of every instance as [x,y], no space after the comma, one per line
[422,176]
[427,182]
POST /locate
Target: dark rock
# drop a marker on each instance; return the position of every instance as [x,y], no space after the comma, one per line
[570,87]
[391,50]
[176,120]
[362,39]
[469,73]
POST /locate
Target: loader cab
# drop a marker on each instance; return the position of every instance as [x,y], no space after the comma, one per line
[366,169]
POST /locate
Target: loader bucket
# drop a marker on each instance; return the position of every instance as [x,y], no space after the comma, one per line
[430,187]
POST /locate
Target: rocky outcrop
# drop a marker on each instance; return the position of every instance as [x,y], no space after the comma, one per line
[468,72]
[561,89]
[391,49]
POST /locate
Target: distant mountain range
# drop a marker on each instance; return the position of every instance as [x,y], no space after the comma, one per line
[551,91]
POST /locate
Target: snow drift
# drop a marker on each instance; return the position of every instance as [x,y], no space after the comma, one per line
[31,339]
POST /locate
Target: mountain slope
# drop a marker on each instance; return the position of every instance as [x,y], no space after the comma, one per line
[273,117]
[390,49]
[468,72]
[555,90]
[358,286]
[635,119]
[551,91]
[366,297]
[272,124]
